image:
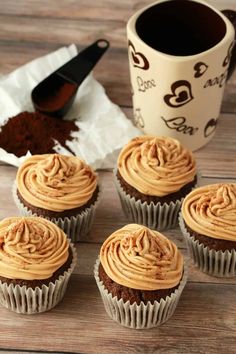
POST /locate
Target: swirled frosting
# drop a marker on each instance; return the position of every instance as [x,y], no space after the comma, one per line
[156,166]
[31,248]
[140,258]
[56,182]
[211,211]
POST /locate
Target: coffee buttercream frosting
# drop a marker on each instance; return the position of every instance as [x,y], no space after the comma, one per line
[56,182]
[140,258]
[31,248]
[156,166]
[211,211]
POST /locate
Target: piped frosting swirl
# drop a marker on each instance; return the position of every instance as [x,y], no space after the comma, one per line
[31,248]
[140,258]
[211,211]
[156,166]
[56,182]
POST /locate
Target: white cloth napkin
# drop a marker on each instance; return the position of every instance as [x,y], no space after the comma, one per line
[104,128]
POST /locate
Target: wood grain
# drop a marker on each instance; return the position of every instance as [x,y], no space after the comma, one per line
[80,319]
[204,321]
[36,29]
[112,71]
[109,215]
[84,9]
[221,148]
[88,254]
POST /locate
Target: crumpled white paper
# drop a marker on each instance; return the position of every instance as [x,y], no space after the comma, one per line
[104,128]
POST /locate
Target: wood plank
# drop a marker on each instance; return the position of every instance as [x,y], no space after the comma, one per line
[22,352]
[37,30]
[38,36]
[86,9]
[88,253]
[204,321]
[112,71]
[70,9]
[228,104]
[217,158]
[80,324]
[109,215]
[3,350]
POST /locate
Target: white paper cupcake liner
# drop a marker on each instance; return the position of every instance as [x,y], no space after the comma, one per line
[74,226]
[155,216]
[215,263]
[141,316]
[29,301]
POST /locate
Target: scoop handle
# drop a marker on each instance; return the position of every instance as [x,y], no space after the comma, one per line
[80,66]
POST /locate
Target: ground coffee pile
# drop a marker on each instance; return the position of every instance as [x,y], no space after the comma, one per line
[35,132]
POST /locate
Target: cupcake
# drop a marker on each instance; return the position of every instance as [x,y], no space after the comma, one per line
[208,223]
[153,176]
[36,262]
[63,189]
[140,275]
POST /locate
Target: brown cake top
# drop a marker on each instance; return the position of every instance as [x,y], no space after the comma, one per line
[156,166]
[31,248]
[56,182]
[211,210]
[140,258]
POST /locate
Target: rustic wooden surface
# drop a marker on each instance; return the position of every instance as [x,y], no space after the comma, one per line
[205,319]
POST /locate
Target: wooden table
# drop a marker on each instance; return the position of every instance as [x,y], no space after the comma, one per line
[205,319]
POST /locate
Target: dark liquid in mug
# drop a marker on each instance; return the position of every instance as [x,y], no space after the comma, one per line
[180,27]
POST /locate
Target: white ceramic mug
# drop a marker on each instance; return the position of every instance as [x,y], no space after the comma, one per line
[179,56]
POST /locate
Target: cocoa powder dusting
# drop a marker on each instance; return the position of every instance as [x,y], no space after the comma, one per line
[35,132]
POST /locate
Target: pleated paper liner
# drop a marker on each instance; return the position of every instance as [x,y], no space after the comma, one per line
[75,227]
[155,216]
[143,316]
[212,262]
[25,300]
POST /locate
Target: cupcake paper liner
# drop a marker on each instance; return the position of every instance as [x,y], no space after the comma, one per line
[75,226]
[155,216]
[141,316]
[25,300]
[212,262]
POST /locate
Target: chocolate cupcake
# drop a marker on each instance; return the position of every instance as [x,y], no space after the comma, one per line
[63,189]
[140,275]
[153,176]
[36,262]
[208,223]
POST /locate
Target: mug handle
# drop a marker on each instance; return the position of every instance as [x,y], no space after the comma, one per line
[231,15]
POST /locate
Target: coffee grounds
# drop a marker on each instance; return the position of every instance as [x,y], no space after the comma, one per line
[57,99]
[34,132]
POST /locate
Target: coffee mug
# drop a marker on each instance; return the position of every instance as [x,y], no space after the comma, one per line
[179,57]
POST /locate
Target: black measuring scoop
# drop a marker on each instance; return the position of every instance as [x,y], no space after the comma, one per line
[55,95]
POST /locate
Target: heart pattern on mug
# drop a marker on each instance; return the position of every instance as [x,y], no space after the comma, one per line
[228,56]
[210,127]
[181,94]
[139,60]
[200,68]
